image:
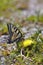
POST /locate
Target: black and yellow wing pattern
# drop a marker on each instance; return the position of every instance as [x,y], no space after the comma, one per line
[12,30]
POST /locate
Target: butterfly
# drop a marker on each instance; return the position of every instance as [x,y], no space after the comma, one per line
[13,30]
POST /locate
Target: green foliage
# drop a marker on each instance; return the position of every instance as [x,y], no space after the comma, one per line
[31,18]
[5,5]
[35,18]
[3,28]
[41,18]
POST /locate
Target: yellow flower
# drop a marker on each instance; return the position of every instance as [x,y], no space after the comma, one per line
[27,42]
